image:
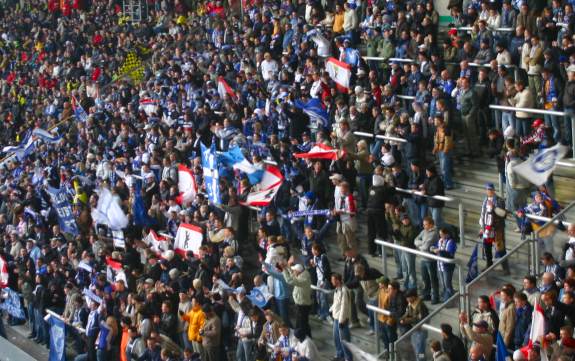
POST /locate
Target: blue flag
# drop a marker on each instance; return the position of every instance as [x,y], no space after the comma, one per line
[46,136]
[315,110]
[211,174]
[501,354]
[235,158]
[57,339]
[472,267]
[63,209]
[257,298]
[141,217]
[79,111]
[12,304]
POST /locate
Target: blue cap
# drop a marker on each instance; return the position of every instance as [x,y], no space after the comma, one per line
[490,186]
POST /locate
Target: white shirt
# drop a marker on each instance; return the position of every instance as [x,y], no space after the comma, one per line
[269,68]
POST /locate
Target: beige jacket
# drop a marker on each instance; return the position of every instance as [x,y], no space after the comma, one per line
[507,323]
[523,99]
[341,306]
[483,340]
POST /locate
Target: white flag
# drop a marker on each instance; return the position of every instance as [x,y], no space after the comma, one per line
[540,165]
[118,238]
[339,72]
[109,211]
[186,184]
[188,238]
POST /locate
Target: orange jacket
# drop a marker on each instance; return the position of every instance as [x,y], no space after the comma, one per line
[195,318]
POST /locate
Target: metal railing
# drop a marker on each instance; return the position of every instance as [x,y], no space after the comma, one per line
[556,113]
[460,209]
[497,30]
[54,314]
[384,137]
[379,311]
[323,290]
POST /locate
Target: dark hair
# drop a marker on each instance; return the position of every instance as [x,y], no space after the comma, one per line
[446,328]
[531,279]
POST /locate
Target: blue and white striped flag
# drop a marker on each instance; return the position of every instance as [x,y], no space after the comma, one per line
[211,174]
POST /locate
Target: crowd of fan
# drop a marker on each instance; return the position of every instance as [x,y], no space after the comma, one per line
[164,302]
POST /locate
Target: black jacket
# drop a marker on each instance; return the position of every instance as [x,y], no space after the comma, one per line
[378,196]
[569,95]
[434,187]
[455,348]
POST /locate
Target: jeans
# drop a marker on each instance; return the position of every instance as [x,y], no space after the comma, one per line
[523,125]
[436,214]
[423,213]
[418,341]
[446,166]
[397,258]
[430,282]
[412,210]
[375,148]
[371,315]
[363,188]
[388,335]
[282,310]
[323,304]
[339,335]
[553,121]
[186,343]
[101,355]
[408,265]
[446,275]
[568,132]
[245,350]
[31,319]
[507,119]
[41,328]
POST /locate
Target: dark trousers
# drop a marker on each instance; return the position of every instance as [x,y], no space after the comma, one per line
[430,281]
[91,348]
[302,318]
[376,228]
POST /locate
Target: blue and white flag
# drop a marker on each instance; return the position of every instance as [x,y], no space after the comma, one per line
[22,150]
[315,110]
[211,174]
[46,136]
[540,165]
[63,209]
[12,304]
[311,212]
[79,111]
[235,159]
[57,339]
[257,298]
[472,267]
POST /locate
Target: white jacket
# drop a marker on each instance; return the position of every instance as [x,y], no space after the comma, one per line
[341,307]
[307,349]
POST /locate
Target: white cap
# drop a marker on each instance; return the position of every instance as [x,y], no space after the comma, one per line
[297,267]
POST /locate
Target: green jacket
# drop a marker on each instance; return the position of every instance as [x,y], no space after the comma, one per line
[386,49]
[468,102]
[405,235]
[373,44]
[301,286]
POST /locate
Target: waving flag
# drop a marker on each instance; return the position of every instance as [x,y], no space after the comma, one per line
[46,136]
[186,184]
[501,353]
[540,165]
[319,151]
[235,158]
[537,332]
[258,298]
[140,215]
[59,199]
[188,238]
[149,106]
[109,212]
[267,189]
[211,175]
[315,110]
[22,150]
[472,267]
[224,88]
[339,72]
[57,339]
[78,110]
[3,273]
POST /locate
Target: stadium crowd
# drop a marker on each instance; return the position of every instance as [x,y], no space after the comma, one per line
[216,75]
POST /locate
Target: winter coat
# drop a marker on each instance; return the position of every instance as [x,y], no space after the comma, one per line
[196,319]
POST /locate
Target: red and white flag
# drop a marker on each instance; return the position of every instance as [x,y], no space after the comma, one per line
[149,106]
[265,191]
[319,151]
[537,332]
[156,242]
[3,273]
[187,185]
[188,238]
[224,88]
[339,72]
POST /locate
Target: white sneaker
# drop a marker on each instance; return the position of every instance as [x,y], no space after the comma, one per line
[370,332]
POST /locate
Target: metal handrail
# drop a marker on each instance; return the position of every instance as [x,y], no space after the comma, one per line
[405,97]
[418,193]
[416,252]
[385,137]
[381,311]
[324,290]
[469,28]
[528,110]
[546,219]
[54,314]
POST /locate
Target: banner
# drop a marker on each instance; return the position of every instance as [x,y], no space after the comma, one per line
[119,240]
[4,275]
[311,212]
[211,174]
[156,242]
[235,158]
[315,110]
[339,72]
[78,110]
[57,339]
[46,136]
[64,209]
[187,185]
[540,165]
[258,298]
[12,304]
[188,238]
[225,89]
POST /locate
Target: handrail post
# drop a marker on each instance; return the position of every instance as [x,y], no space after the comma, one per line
[384,259]
[461,288]
[461,223]
[572,135]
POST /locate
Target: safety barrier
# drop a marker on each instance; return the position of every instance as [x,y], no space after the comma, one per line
[556,113]
[500,30]
[384,137]
[54,314]
[380,311]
